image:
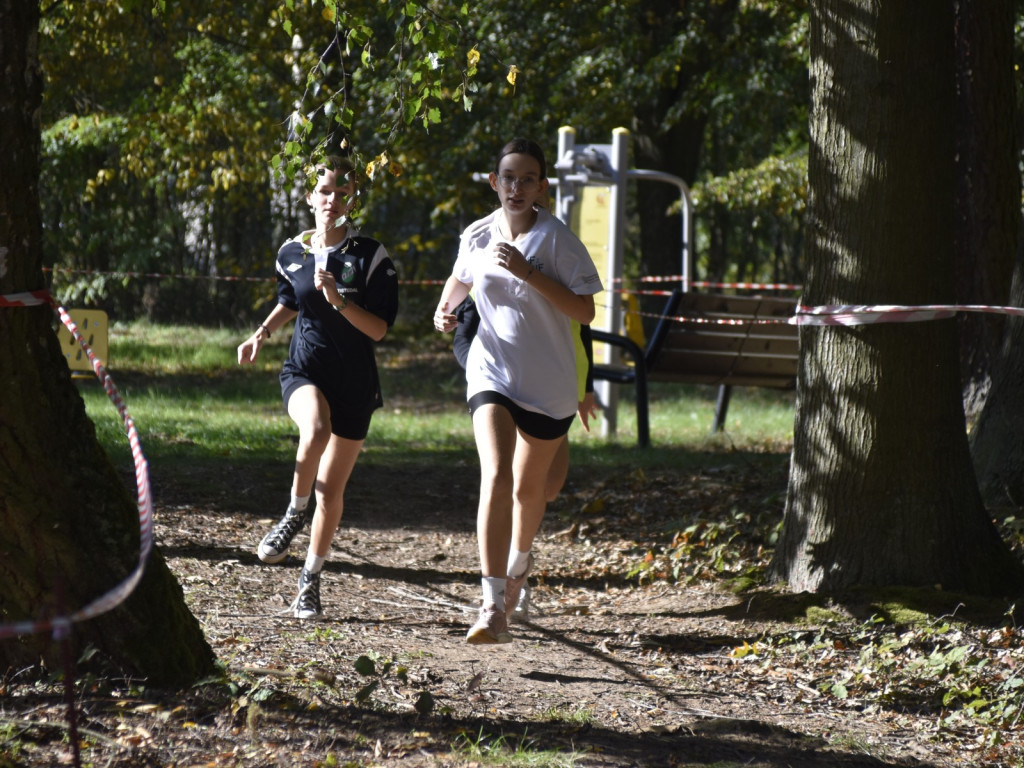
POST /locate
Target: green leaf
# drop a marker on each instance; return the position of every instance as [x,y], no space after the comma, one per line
[364,666]
[410,109]
[364,693]
[261,695]
[424,703]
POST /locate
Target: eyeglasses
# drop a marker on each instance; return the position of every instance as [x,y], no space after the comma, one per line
[525,184]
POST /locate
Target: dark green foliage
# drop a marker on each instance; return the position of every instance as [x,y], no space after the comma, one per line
[175,139]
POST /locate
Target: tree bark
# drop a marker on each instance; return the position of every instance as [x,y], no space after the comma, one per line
[988,184]
[881,488]
[995,440]
[69,529]
[994,209]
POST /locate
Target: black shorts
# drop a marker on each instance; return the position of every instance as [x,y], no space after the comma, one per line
[532,423]
[345,422]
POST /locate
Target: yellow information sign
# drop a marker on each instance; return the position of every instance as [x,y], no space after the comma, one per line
[93,325]
[590,221]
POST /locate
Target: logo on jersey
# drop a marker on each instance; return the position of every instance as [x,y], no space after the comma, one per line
[348,272]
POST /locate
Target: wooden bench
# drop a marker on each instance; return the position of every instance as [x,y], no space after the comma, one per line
[698,349]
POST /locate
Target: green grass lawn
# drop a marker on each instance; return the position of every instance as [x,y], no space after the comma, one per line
[190,400]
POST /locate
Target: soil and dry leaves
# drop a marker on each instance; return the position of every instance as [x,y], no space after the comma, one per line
[663,668]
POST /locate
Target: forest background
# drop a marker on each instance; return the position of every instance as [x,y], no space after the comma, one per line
[173,143]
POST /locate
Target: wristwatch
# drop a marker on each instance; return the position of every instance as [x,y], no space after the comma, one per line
[344,302]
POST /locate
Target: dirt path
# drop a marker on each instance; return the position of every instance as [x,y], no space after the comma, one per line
[608,673]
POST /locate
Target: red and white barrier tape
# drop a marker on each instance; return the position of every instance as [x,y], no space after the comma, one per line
[831,314]
[857,314]
[60,625]
[748,286]
[710,284]
[231,279]
[26,299]
[213,278]
[846,314]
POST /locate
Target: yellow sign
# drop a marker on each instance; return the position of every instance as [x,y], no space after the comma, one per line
[92,324]
[590,220]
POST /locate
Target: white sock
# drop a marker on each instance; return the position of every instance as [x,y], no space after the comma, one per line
[517,562]
[494,591]
[314,562]
[300,502]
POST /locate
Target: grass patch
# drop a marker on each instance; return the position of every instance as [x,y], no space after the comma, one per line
[578,716]
[190,400]
[511,751]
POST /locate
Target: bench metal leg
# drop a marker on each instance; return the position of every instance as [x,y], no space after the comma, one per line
[643,411]
[643,424]
[721,407]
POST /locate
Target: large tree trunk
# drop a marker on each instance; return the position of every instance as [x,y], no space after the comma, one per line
[996,439]
[881,489]
[988,184]
[69,529]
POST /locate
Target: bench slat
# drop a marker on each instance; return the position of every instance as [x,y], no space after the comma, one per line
[724,368]
[733,343]
[735,306]
[733,380]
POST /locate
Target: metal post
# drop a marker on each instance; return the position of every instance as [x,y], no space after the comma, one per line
[606,391]
[565,191]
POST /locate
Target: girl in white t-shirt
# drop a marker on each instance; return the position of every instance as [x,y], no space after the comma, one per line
[530,276]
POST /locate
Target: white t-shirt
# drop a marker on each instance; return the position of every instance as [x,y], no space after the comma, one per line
[524,348]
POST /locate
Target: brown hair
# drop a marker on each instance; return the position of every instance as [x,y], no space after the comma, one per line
[522,146]
[336,163]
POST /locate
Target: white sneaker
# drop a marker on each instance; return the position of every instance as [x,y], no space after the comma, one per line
[515,588]
[521,612]
[490,627]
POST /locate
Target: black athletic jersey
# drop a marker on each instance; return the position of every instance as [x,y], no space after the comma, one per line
[325,348]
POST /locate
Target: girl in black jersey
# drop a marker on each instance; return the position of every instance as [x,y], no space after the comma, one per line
[342,291]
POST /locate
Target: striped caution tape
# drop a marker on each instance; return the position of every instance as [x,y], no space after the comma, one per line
[845,314]
[740,286]
[748,286]
[855,314]
[61,625]
[720,285]
[211,278]
[26,299]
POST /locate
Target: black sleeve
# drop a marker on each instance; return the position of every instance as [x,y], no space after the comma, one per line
[588,345]
[469,319]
